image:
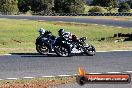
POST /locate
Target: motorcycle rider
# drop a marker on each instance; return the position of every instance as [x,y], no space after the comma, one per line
[69,35]
[46,34]
[41,31]
[62,32]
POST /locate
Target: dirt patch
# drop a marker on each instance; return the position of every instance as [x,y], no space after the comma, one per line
[17,41]
[120,19]
[37,83]
[70,24]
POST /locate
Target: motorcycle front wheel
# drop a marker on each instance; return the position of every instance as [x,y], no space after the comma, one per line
[62,51]
[42,49]
[89,50]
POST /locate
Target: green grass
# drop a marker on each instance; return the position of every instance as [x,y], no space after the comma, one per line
[20,35]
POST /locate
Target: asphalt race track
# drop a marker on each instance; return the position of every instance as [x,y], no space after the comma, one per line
[35,65]
[109,22]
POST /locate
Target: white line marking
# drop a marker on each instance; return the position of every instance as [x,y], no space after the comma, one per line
[119,27]
[64,75]
[60,21]
[48,76]
[104,25]
[8,54]
[111,26]
[96,51]
[113,72]
[75,74]
[128,71]
[94,73]
[102,51]
[12,78]
[28,77]
[95,24]
[121,50]
[24,19]
[114,51]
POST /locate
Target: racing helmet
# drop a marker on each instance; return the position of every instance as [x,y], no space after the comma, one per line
[60,32]
[41,31]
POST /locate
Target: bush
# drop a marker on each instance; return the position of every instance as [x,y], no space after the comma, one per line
[43,6]
[9,6]
[96,9]
[124,7]
[69,6]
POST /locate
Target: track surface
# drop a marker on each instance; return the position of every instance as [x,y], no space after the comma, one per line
[109,22]
[34,65]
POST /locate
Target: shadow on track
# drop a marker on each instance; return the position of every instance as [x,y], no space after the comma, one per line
[34,55]
[39,55]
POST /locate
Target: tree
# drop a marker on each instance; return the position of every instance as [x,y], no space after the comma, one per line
[130,3]
[124,7]
[105,3]
[59,6]
[41,5]
[69,6]
[96,9]
[9,6]
[23,5]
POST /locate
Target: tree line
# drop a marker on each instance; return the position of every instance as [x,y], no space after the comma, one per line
[56,6]
[124,6]
[45,6]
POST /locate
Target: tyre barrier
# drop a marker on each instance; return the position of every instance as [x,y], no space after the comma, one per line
[88,14]
[73,14]
[123,35]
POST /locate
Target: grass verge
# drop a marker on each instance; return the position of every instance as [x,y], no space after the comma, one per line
[19,35]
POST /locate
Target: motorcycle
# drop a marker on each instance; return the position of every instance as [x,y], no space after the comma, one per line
[47,43]
[80,46]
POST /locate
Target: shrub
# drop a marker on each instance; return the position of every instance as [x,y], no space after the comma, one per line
[9,6]
[124,7]
[96,9]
